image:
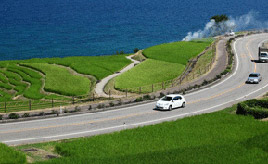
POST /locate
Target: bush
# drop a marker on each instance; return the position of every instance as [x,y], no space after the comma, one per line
[111,104]
[218,76]
[146,97]
[161,95]
[135,50]
[41,113]
[77,109]
[25,115]
[1,117]
[139,99]
[257,108]
[54,112]
[100,106]
[13,116]
[205,82]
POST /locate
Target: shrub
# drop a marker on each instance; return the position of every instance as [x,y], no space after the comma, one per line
[139,99]
[1,117]
[135,50]
[100,106]
[257,108]
[13,116]
[54,112]
[111,104]
[25,115]
[41,113]
[218,77]
[205,82]
[183,92]
[77,109]
[161,95]
[146,97]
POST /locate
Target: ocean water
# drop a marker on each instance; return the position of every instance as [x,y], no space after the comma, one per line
[59,28]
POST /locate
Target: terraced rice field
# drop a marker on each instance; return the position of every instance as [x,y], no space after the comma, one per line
[165,62]
[55,78]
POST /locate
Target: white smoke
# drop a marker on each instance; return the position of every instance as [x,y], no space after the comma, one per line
[244,22]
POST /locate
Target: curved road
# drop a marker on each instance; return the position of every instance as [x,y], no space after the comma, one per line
[229,91]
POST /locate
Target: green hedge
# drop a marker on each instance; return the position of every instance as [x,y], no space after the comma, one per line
[256,108]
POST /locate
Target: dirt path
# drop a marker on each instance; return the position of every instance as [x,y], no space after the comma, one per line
[100,86]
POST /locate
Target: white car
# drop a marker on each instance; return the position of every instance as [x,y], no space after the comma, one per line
[169,102]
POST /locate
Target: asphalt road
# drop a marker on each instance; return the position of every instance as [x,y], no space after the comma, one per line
[227,92]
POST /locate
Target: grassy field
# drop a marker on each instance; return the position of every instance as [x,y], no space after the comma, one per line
[60,80]
[176,52]
[98,66]
[9,155]
[165,62]
[149,72]
[16,80]
[221,137]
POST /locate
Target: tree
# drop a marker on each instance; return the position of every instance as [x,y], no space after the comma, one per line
[220,18]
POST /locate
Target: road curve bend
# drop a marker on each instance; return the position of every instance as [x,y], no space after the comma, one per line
[223,94]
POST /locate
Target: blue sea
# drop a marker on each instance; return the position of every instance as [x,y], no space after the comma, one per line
[59,28]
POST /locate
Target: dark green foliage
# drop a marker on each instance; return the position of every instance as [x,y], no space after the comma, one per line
[25,115]
[161,95]
[1,117]
[139,99]
[111,104]
[13,116]
[205,82]
[100,106]
[257,108]
[146,97]
[220,18]
[135,50]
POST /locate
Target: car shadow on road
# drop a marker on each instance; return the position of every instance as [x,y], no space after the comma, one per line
[257,61]
[165,110]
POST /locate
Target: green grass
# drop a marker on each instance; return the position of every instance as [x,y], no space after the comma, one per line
[9,155]
[176,52]
[3,78]
[147,73]
[60,80]
[27,82]
[4,96]
[165,62]
[219,137]
[98,66]
[33,91]
[11,75]
[6,86]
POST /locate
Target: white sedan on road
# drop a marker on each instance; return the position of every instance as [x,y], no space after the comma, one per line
[169,102]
